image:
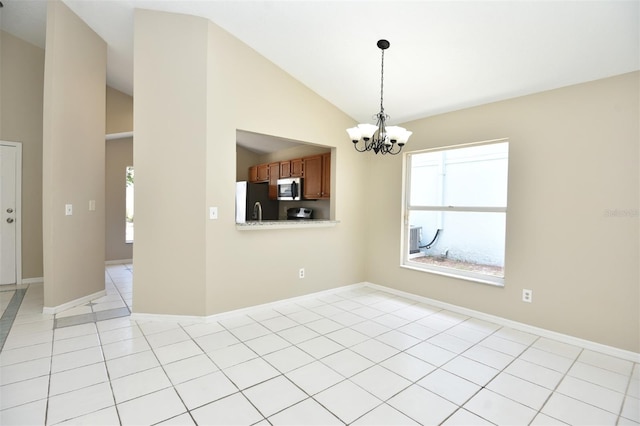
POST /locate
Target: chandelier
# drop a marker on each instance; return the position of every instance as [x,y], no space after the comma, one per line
[379,137]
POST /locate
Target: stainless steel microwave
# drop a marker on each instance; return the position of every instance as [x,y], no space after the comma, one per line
[290,189]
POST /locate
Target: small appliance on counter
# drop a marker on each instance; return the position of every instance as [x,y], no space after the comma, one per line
[298,213]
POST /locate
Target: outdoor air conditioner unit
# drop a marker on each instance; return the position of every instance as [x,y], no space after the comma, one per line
[415,236]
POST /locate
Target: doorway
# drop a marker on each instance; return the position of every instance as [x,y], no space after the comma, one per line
[10,208]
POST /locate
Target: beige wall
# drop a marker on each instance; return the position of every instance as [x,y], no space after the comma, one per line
[178,267]
[119,117]
[73,158]
[244,160]
[118,156]
[573,158]
[21,87]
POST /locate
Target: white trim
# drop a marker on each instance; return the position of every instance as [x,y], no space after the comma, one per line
[565,338]
[228,314]
[118,262]
[35,280]
[72,304]
[114,136]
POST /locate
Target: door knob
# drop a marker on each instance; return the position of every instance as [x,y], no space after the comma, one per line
[10,220]
[9,210]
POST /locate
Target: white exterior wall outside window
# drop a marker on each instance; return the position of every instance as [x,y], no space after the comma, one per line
[455,211]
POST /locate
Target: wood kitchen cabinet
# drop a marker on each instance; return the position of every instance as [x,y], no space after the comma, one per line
[297,168]
[274,175]
[317,177]
[285,169]
[263,173]
[253,174]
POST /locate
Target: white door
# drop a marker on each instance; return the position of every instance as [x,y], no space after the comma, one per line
[9,205]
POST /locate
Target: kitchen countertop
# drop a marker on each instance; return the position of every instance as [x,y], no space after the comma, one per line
[285,224]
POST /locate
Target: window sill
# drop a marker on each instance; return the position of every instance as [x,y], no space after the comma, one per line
[447,272]
[285,224]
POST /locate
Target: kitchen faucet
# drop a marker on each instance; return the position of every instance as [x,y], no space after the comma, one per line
[257,211]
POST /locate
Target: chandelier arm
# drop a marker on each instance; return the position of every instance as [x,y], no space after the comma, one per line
[382,83]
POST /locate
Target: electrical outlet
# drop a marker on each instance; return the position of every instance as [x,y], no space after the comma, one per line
[92,205]
[68,209]
[301,273]
[527,295]
[213,213]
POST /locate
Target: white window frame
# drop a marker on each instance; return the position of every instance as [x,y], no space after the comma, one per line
[405,225]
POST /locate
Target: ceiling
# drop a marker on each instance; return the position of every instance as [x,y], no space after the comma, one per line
[444,55]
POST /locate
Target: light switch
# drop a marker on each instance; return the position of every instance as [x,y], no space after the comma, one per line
[68,209]
[92,205]
[213,213]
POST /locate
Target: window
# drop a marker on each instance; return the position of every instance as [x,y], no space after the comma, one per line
[129,206]
[455,211]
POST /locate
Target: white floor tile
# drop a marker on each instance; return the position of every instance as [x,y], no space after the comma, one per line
[180,420]
[203,390]
[61,346]
[125,347]
[469,334]
[19,393]
[304,316]
[347,319]
[232,355]
[167,337]
[266,344]
[138,384]
[449,386]
[78,378]
[422,406]
[105,417]
[451,343]
[516,336]
[274,395]
[153,327]
[214,341]
[631,409]
[498,409]
[347,401]
[590,393]
[27,353]
[320,346]
[177,351]
[250,373]
[487,356]
[575,412]
[118,334]
[374,350]
[288,359]
[520,390]
[398,340]
[347,362]
[547,359]
[75,331]
[279,323]
[197,330]
[534,373]
[297,334]
[314,377]
[347,337]
[249,331]
[463,417]
[370,328]
[151,408]
[189,368]
[130,364]
[307,412]
[381,382]
[606,362]
[25,370]
[505,346]
[471,370]
[76,359]
[323,326]
[599,376]
[384,415]
[418,331]
[408,366]
[29,414]
[432,354]
[544,420]
[559,348]
[78,403]
[232,410]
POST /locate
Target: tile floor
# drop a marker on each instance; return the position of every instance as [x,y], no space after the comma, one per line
[361,357]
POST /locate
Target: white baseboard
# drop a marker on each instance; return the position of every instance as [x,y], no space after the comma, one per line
[35,280]
[118,262]
[565,338]
[242,311]
[72,304]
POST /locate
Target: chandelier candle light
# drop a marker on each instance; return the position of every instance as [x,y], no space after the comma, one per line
[379,137]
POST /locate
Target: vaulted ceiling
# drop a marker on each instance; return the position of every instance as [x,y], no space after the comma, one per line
[444,55]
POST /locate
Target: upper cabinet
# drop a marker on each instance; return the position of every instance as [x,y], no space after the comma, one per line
[315,169]
[317,177]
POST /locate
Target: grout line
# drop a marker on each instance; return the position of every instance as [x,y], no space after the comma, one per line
[10,313]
